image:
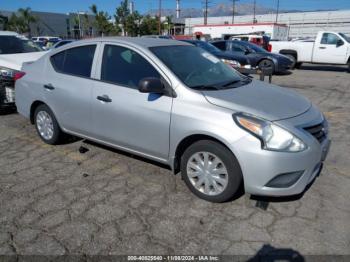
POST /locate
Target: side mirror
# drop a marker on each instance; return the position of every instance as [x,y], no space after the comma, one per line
[151,85]
[340,42]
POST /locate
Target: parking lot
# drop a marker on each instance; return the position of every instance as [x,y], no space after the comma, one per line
[62,200]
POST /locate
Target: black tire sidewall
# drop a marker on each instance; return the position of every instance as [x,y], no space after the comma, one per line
[292,57]
[56,132]
[269,61]
[234,170]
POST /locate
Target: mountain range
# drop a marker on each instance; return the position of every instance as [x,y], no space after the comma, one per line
[222,9]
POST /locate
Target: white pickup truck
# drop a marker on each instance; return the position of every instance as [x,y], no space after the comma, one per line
[327,48]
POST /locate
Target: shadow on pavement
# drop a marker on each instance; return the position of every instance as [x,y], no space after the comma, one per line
[269,253]
[333,68]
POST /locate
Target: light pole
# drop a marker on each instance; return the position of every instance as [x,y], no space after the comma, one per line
[79,21]
[254,8]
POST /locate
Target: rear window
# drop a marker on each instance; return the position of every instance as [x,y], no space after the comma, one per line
[14,45]
[75,61]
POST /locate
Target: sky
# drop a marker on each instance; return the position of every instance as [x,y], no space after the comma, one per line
[65,6]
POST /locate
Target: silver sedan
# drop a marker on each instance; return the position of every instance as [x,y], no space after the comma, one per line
[179,105]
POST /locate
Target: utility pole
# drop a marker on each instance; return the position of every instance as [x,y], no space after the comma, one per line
[254,18]
[233,10]
[159,18]
[178,9]
[277,10]
[206,12]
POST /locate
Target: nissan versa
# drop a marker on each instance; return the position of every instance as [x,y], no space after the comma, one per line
[177,104]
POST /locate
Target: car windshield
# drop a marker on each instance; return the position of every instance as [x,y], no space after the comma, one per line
[14,45]
[208,47]
[197,68]
[251,46]
[347,38]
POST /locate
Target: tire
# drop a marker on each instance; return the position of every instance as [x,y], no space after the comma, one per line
[228,175]
[298,65]
[349,67]
[267,64]
[44,118]
[292,57]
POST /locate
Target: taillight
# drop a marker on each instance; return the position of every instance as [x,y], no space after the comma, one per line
[18,75]
[269,47]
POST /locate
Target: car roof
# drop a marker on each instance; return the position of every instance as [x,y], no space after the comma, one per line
[8,33]
[137,41]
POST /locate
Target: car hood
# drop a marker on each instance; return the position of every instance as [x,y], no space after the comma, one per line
[15,61]
[258,98]
[229,56]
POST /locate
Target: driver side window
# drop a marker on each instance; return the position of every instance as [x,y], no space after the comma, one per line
[329,39]
[123,66]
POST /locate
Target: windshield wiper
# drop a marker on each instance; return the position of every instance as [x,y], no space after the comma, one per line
[205,87]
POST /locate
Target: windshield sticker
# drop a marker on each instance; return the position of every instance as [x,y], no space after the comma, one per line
[211,58]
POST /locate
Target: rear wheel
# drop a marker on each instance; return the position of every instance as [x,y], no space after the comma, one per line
[46,125]
[293,59]
[211,171]
[349,67]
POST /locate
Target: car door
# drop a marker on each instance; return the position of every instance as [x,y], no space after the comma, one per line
[68,87]
[331,49]
[123,116]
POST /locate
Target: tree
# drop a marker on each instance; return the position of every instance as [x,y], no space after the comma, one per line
[121,15]
[102,22]
[16,23]
[169,23]
[149,25]
[132,24]
[4,21]
[27,19]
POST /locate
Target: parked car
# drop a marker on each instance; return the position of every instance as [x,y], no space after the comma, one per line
[258,56]
[14,51]
[179,105]
[328,48]
[158,36]
[62,43]
[237,61]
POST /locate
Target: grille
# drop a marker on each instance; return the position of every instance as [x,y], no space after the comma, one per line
[318,131]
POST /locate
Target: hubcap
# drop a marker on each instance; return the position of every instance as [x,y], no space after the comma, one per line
[45,125]
[207,173]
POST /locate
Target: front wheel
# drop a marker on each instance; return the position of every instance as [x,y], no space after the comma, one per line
[46,125]
[267,65]
[211,171]
[349,67]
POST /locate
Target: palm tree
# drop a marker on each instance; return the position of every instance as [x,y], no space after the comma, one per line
[28,18]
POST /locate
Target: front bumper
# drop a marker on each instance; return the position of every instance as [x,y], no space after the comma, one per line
[260,167]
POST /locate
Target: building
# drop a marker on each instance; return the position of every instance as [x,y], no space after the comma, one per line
[72,25]
[272,30]
[300,24]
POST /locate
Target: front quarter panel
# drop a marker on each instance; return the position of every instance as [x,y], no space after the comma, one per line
[192,114]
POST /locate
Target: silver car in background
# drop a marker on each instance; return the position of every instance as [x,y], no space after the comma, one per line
[177,104]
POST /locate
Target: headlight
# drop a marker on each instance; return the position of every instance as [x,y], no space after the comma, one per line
[272,136]
[232,63]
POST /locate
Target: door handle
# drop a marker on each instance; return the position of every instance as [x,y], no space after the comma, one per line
[104,98]
[49,87]
[322,47]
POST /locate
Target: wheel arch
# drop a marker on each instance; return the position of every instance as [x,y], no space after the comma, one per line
[188,141]
[33,107]
[289,52]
